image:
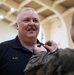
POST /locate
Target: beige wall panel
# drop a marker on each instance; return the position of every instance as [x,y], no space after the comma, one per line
[7,32]
[56,32]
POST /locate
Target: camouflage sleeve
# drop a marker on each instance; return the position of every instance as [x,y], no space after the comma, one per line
[44,63]
[66,57]
[59,63]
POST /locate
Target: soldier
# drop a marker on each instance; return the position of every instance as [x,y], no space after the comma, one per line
[59,62]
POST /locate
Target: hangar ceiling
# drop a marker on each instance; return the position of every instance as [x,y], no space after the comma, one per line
[47,9]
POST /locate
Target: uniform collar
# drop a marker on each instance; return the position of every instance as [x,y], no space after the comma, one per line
[17,44]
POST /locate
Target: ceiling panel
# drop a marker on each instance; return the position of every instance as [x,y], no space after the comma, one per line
[68,3]
[33,5]
[45,8]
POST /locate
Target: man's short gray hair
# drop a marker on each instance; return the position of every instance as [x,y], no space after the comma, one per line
[22,10]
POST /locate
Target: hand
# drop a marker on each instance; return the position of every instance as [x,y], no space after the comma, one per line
[38,48]
[51,46]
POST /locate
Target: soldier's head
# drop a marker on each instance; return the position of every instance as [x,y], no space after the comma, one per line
[72,27]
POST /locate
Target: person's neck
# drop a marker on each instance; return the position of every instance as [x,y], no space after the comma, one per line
[29,43]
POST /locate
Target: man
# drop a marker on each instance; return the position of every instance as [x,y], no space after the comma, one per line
[15,53]
[60,62]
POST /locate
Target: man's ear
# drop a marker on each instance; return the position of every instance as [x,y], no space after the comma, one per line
[16,26]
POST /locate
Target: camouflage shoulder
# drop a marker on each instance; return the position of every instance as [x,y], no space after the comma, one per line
[35,60]
[66,58]
[65,51]
[38,64]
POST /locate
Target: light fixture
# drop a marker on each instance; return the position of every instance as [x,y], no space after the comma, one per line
[1,17]
[12,9]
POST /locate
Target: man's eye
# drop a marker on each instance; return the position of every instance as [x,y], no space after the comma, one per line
[35,20]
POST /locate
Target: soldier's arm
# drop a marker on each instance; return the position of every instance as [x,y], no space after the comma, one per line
[42,64]
[43,57]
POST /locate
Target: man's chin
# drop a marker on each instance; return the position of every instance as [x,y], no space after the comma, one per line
[32,36]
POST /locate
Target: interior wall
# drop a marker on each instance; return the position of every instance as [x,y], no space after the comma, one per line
[56,32]
[7,32]
[41,35]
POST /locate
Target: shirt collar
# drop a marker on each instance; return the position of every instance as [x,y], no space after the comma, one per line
[17,44]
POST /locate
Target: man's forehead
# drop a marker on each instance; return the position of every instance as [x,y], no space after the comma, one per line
[30,13]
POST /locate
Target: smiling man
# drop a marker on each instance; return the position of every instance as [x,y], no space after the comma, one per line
[28,24]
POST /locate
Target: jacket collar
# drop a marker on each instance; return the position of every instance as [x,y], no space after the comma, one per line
[17,43]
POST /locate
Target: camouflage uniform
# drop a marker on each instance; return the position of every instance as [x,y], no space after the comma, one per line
[60,62]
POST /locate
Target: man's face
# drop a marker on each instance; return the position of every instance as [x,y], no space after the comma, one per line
[28,24]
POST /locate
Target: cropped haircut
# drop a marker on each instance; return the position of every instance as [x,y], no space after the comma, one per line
[22,10]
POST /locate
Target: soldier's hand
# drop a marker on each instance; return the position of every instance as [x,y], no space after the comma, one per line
[38,48]
[51,46]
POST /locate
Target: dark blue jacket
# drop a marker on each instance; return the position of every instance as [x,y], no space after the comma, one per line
[13,57]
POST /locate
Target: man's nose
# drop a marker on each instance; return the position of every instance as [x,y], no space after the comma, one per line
[31,22]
